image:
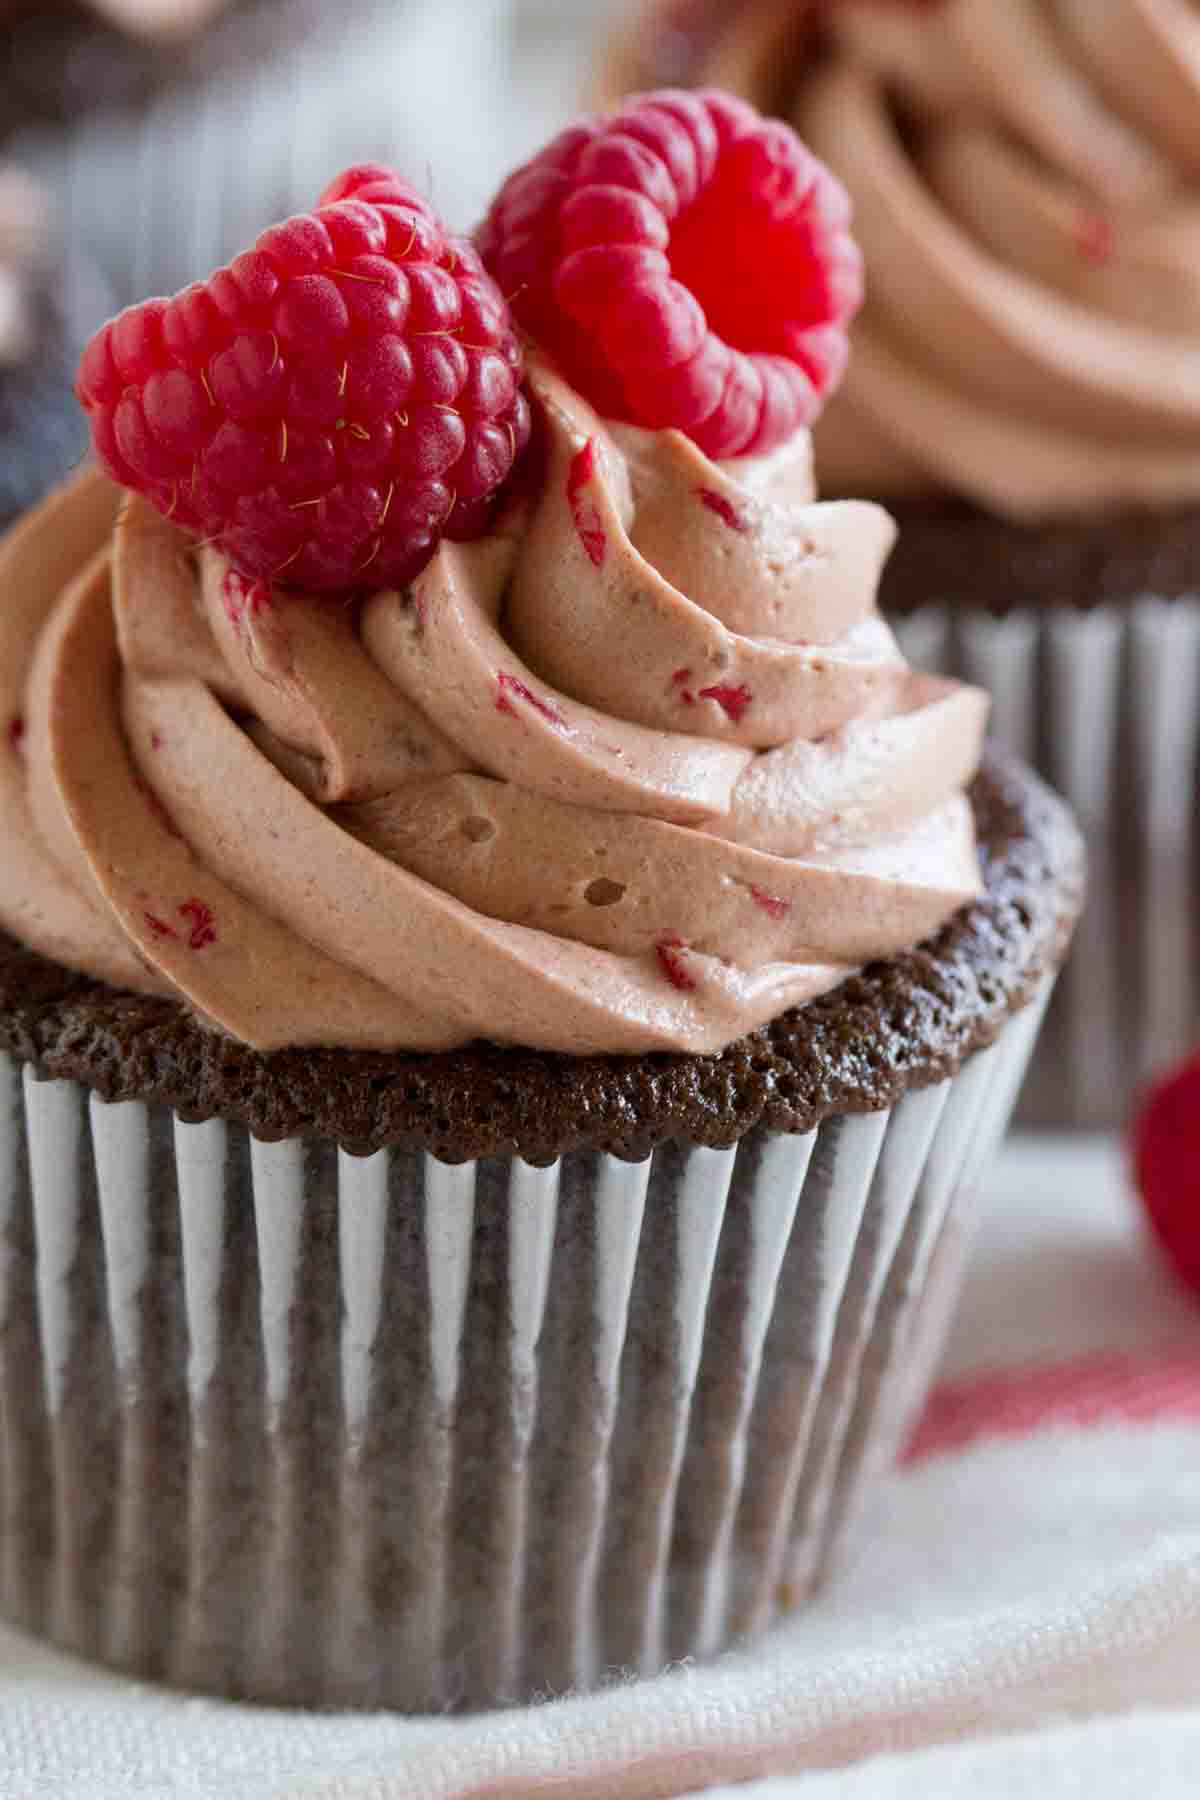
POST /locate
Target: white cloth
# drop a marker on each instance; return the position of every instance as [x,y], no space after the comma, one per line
[1021,1594]
[1152,1754]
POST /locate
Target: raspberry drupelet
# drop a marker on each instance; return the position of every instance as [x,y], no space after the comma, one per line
[688,263]
[329,406]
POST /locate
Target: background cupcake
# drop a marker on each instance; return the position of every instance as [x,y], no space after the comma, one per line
[44,308]
[498,1039]
[242,120]
[68,56]
[1022,395]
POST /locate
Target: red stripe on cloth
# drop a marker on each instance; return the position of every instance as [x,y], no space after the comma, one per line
[1093,1390]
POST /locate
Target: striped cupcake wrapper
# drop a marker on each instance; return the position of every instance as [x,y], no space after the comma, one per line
[1106,705]
[282,1423]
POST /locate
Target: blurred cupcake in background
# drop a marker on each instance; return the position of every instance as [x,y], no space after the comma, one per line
[165,152]
[1025,395]
[42,307]
[68,56]
[724,42]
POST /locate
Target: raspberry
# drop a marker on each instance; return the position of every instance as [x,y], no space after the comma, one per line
[1166,1160]
[331,404]
[688,263]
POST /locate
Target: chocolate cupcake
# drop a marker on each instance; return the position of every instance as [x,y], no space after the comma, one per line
[1022,397]
[161,179]
[67,57]
[496,1049]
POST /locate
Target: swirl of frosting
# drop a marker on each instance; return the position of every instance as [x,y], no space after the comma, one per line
[1026,181]
[639,771]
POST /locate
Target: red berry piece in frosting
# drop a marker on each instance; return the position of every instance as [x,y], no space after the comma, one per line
[733,699]
[329,406]
[689,264]
[1166,1157]
[772,904]
[724,508]
[243,599]
[672,960]
[509,689]
[203,925]
[584,511]
[199,928]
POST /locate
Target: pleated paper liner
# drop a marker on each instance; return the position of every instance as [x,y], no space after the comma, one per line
[1106,704]
[281,1423]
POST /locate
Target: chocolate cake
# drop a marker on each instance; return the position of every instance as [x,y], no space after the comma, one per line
[951,553]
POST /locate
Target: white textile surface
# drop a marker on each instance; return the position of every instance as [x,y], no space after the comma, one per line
[1021,1612]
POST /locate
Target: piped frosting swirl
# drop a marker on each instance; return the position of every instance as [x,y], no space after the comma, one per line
[1026,185]
[639,771]
[1026,179]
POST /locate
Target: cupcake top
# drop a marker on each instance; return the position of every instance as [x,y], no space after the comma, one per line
[613,754]
[1025,180]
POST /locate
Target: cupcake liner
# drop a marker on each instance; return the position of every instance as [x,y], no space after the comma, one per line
[1106,704]
[282,1423]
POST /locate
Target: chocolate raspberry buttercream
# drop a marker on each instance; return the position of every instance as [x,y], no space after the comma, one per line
[640,771]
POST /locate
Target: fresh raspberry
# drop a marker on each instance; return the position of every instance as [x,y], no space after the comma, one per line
[1166,1160]
[329,406]
[688,263]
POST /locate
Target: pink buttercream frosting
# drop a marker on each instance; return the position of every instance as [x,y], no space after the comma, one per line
[639,771]
[1026,180]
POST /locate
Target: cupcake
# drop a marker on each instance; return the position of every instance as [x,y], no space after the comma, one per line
[170,163]
[68,56]
[509,977]
[41,432]
[1021,396]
